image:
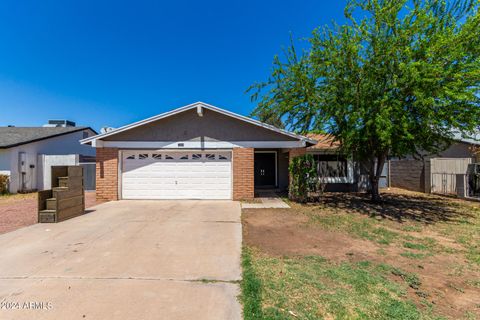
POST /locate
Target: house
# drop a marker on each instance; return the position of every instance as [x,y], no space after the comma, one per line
[27,153]
[197,151]
[435,172]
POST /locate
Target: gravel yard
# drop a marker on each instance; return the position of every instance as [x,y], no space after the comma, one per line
[20,210]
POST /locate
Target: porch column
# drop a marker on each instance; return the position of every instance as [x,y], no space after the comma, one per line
[107,174]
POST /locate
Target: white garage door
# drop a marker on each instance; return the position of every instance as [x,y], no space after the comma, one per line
[176,175]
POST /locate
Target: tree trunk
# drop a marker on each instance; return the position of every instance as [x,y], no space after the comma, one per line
[375,174]
[374,192]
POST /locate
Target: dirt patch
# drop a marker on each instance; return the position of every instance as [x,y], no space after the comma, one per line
[17,211]
[446,279]
[282,232]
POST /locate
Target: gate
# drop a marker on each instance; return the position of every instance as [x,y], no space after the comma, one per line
[444,183]
[88,175]
[443,174]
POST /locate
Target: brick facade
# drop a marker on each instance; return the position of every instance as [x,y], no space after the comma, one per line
[243,182]
[242,166]
[107,174]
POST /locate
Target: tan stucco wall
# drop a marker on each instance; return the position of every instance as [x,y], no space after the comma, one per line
[188,126]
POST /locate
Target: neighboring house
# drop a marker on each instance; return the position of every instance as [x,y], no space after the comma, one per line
[194,152]
[27,153]
[436,172]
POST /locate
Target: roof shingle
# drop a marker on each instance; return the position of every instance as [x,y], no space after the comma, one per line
[15,136]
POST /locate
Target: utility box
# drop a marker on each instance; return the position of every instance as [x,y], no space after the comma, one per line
[66,199]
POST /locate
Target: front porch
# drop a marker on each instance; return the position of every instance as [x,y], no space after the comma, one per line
[270,170]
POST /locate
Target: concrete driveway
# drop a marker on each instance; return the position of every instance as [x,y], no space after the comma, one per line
[126,260]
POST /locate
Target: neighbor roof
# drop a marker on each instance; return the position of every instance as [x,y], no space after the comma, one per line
[472,140]
[324,141]
[196,105]
[15,136]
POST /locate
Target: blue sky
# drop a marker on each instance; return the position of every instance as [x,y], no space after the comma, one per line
[110,63]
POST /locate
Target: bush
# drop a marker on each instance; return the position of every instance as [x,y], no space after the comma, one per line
[4,181]
[304,178]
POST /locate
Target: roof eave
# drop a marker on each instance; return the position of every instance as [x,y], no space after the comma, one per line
[45,138]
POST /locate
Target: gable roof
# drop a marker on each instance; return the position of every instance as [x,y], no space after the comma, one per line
[193,106]
[16,136]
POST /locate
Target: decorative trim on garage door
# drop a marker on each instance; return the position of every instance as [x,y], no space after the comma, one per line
[172,174]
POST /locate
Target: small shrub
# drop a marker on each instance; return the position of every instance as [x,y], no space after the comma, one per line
[4,182]
[303,173]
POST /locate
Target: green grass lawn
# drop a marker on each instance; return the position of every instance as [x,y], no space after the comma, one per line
[394,282]
[312,287]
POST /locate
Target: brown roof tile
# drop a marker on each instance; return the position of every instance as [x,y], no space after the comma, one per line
[325,141]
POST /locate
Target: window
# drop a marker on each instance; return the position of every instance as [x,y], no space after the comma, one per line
[167,157]
[185,157]
[331,165]
[142,156]
[210,156]
[157,156]
[196,156]
[85,134]
[220,157]
[131,157]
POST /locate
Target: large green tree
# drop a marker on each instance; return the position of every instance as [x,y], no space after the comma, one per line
[399,77]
